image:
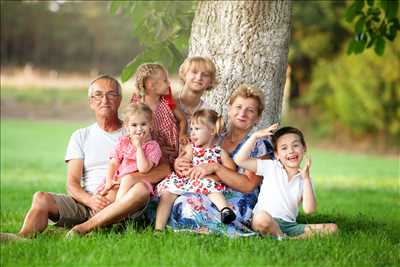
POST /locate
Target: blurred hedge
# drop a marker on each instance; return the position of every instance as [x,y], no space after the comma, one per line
[360,93]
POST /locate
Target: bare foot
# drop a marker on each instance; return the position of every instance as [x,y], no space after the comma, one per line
[10,237]
[73,233]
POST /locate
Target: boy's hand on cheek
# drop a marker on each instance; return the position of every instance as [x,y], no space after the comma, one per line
[305,171]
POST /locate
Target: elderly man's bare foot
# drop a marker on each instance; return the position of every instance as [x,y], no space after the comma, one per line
[73,233]
[10,237]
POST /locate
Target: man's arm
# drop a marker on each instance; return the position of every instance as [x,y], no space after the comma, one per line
[74,188]
[155,174]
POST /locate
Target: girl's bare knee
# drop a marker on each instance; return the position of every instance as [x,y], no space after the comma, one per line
[141,190]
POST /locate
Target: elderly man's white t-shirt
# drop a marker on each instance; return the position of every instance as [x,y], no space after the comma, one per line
[93,145]
[279,197]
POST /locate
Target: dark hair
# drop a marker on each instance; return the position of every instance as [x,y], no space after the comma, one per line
[286,130]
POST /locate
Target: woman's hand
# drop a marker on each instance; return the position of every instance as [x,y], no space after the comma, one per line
[202,170]
[182,166]
[183,139]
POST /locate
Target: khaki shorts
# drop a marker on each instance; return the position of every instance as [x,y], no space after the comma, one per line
[72,212]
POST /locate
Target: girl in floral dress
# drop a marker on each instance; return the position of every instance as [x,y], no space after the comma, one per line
[206,125]
[153,89]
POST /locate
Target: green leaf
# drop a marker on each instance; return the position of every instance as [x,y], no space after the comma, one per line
[370,42]
[131,67]
[373,11]
[138,13]
[175,52]
[360,24]
[353,10]
[379,46]
[114,6]
[384,5]
[350,47]
[393,8]
[391,34]
[370,2]
[359,46]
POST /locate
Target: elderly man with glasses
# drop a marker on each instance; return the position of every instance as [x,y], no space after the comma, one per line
[87,159]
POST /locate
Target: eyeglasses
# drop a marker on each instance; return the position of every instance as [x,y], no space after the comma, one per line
[109,95]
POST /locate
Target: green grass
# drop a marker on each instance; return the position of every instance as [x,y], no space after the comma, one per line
[44,95]
[358,192]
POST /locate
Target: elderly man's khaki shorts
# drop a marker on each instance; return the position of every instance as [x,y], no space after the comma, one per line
[72,212]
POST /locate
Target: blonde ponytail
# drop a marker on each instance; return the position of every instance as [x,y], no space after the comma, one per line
[144,72]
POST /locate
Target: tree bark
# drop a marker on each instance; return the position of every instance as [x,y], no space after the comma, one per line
[248,41]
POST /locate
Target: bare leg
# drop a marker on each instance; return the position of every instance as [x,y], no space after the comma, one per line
[321,229]
[134,200]
[126,183]
[218,199]
[36,220]
[164,209]
[263,223]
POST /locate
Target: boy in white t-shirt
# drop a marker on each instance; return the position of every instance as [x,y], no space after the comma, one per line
[285,185]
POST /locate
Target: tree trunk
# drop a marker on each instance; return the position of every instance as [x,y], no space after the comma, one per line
[248,41]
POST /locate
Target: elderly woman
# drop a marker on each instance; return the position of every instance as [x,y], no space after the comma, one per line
[195,212]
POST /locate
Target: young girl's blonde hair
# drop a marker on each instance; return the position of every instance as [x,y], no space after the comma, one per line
[137,109]
[196,62]
[144,72]
[210,118]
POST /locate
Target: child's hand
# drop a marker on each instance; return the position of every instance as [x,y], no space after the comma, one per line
[182,166]
[305,171]
[108,187]
[137,140]
[267,131]
[183,139]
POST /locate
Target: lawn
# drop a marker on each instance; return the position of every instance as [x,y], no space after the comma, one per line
[358,192]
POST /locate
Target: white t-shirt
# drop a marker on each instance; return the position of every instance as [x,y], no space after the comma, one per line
[93,145]
[279,197]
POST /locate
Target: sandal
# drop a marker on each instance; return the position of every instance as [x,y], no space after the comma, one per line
[227,215]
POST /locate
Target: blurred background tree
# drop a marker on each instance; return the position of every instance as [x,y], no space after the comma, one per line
[332,92]
[65,36]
